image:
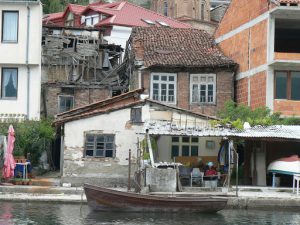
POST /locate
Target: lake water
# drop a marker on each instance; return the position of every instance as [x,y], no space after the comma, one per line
[57,214]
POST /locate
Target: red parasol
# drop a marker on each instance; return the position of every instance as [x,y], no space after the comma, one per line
[9,162]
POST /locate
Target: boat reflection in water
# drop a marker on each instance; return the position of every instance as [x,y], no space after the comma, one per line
[104,199]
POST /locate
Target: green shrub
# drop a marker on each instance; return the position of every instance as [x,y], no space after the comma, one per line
[32,137]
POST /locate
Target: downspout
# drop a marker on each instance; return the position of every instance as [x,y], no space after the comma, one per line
[27,59]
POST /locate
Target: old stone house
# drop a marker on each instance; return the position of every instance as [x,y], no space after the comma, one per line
[180,67]
[96,138]
[263,38]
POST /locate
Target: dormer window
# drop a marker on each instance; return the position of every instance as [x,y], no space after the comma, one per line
[162,23]
[91,20]
[70,20]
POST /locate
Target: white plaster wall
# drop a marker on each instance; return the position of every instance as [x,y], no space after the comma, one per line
[19,105]
[15,53]
[112,123]
[119,36]
[165,144]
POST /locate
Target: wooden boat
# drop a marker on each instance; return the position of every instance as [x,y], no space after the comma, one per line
[104,199]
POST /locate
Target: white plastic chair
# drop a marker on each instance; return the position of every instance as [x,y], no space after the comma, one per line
[196,176]
[296,181]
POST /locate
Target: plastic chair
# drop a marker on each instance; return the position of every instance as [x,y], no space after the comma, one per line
[196,176]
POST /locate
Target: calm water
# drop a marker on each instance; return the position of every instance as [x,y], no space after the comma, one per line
[52,214]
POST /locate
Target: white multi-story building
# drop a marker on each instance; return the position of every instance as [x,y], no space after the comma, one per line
[20,58]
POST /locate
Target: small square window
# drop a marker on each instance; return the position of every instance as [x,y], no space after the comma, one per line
[195,139]
[97,145]
[136,115]
[175,139]
[66,103]
[185,139]
[210,144]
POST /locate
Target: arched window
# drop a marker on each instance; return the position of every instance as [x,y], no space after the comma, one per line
[166,7]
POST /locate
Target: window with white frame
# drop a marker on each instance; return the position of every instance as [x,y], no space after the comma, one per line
[9,83]
[163,87]
[10,24]
[91,20]
[203,88]
[66,103]
[99,145]
[184,146]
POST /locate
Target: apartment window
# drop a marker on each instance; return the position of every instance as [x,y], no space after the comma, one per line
[185,146]
[99,145]
[136,115]
[9,83]
[203,88]
[66,103]
[163,87]
[287,85]
[166,7]
[10,23]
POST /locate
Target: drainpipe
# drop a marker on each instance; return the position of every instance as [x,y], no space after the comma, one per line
[27,59]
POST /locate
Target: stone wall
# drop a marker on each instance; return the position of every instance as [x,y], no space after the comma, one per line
[82,96]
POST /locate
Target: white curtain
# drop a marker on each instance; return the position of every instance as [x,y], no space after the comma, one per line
[10,26]
[9,74]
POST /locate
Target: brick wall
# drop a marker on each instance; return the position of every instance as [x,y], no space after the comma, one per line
[240,12]
[241,87]
[82,97]
[258,90]
[287,107]
[224,92]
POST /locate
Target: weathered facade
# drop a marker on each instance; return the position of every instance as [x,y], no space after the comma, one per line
[95,149]
[20,59]
[262,37]
[78,69]
[180,67]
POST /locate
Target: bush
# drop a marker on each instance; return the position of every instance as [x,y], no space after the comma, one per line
[32,137]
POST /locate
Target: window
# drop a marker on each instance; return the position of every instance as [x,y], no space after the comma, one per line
[9,83]
[163,87]
[210,144]
[136,115]
[70,20]
[203,88]
[66,103]
[149,22]
[166,7]
[164,24]
[99,145]
[10,23]
[287,85]
[185,146]
[91,20]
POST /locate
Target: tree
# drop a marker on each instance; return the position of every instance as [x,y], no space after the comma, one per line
[238,114]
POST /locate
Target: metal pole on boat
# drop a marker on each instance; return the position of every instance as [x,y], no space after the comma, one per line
[229,166]
[129,170]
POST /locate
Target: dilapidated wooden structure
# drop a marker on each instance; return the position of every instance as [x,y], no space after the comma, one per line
[78,68]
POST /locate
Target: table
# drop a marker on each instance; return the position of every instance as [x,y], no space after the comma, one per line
[25,171]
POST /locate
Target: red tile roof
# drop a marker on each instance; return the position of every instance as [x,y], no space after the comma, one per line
[123,14]
[54,18]
[168,47]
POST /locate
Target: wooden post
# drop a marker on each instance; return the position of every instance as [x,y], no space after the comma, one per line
[129,171]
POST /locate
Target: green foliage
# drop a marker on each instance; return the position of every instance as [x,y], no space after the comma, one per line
[237,115]
[32,137]
[52,6]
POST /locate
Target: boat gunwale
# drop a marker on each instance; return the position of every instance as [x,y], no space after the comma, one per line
[155,197]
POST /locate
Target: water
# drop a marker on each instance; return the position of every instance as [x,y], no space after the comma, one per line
[58,214]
